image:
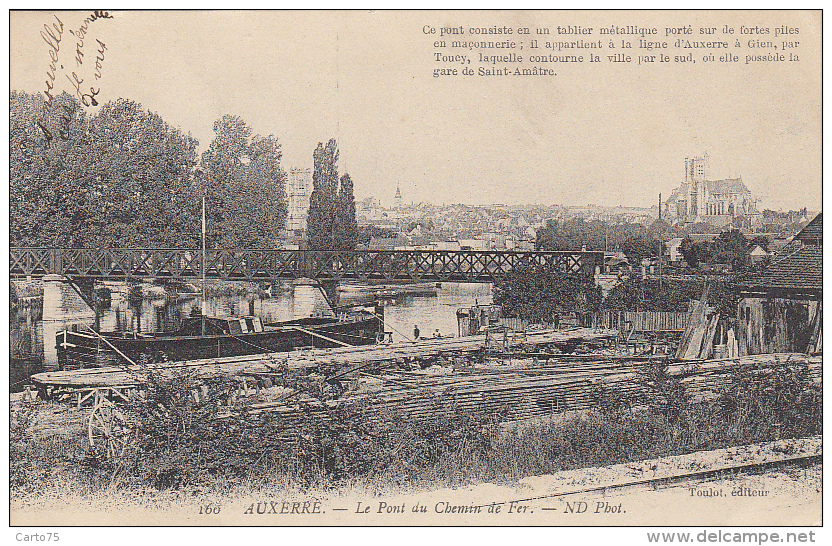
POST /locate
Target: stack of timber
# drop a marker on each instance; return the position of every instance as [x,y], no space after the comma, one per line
[697,341]
[269,364]
[690,346]
[538,389]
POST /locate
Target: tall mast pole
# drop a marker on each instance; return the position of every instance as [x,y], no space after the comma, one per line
[204,264]
[661,245]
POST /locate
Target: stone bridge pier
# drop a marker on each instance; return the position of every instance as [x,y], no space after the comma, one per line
[64,305]
[308,295]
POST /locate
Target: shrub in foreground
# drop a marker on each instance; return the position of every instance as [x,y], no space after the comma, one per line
[187,440]
[199,442]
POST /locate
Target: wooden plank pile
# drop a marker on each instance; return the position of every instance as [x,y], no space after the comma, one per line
[424,351]
[540,389]
[690,346]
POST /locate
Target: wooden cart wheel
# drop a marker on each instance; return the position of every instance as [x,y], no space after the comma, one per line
[108,430]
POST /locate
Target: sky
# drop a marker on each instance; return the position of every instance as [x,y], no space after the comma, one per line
[600,133]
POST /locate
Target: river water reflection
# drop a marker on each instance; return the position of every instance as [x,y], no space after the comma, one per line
[32,340]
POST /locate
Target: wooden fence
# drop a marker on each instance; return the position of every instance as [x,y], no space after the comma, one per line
[642,321]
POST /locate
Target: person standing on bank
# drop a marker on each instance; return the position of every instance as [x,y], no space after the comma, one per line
[415,332]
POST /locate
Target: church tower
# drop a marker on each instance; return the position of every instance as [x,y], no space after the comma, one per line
[696,172]
[398,199]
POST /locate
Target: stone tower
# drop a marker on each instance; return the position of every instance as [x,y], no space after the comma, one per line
[697,171]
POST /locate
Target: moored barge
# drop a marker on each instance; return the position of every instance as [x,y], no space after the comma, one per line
[224,336]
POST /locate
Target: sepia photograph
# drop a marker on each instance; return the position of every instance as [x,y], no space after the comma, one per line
[417,268]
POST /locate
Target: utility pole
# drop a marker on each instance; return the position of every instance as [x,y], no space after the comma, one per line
[204,266]
[661,261]
[661,245]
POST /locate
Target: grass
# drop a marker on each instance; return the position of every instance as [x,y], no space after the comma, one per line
[183,450]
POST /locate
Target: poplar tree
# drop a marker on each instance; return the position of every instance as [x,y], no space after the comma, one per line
[322,202]
[346,226]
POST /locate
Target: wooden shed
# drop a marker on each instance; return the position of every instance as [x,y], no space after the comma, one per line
[780,309]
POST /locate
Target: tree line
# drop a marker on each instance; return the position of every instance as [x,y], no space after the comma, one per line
[634,240]
[124,177]
[538,294]
[729,247]
[637,241]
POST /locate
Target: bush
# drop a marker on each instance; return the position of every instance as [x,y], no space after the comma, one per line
[36,459]
[771,404]
[182,442]
[198,442]
[22,470]
[538,294]
[637,294]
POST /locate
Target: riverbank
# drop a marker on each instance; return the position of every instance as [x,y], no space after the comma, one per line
[25,293]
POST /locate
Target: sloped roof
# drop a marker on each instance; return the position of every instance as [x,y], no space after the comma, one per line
[719,187]
[812,233]
[801,270]
[726,186]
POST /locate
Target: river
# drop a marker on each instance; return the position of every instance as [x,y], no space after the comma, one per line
[32,339]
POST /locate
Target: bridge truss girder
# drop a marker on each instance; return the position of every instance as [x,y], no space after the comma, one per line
[268,265]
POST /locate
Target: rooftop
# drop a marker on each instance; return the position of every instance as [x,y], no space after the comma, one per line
[726,186]
[800,271]
[812,233]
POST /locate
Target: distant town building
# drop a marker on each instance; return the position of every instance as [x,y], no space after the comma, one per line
[757,254]
[298,192]
[494,241]
[525,245]
[674,249]
[386,243]
[398,199]
[370,211]
[368,203]
[615,262]
[716,202]
[472,244]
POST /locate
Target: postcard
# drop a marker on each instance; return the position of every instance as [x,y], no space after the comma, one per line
[422,268]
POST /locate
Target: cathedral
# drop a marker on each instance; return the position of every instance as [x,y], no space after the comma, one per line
[716,202]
